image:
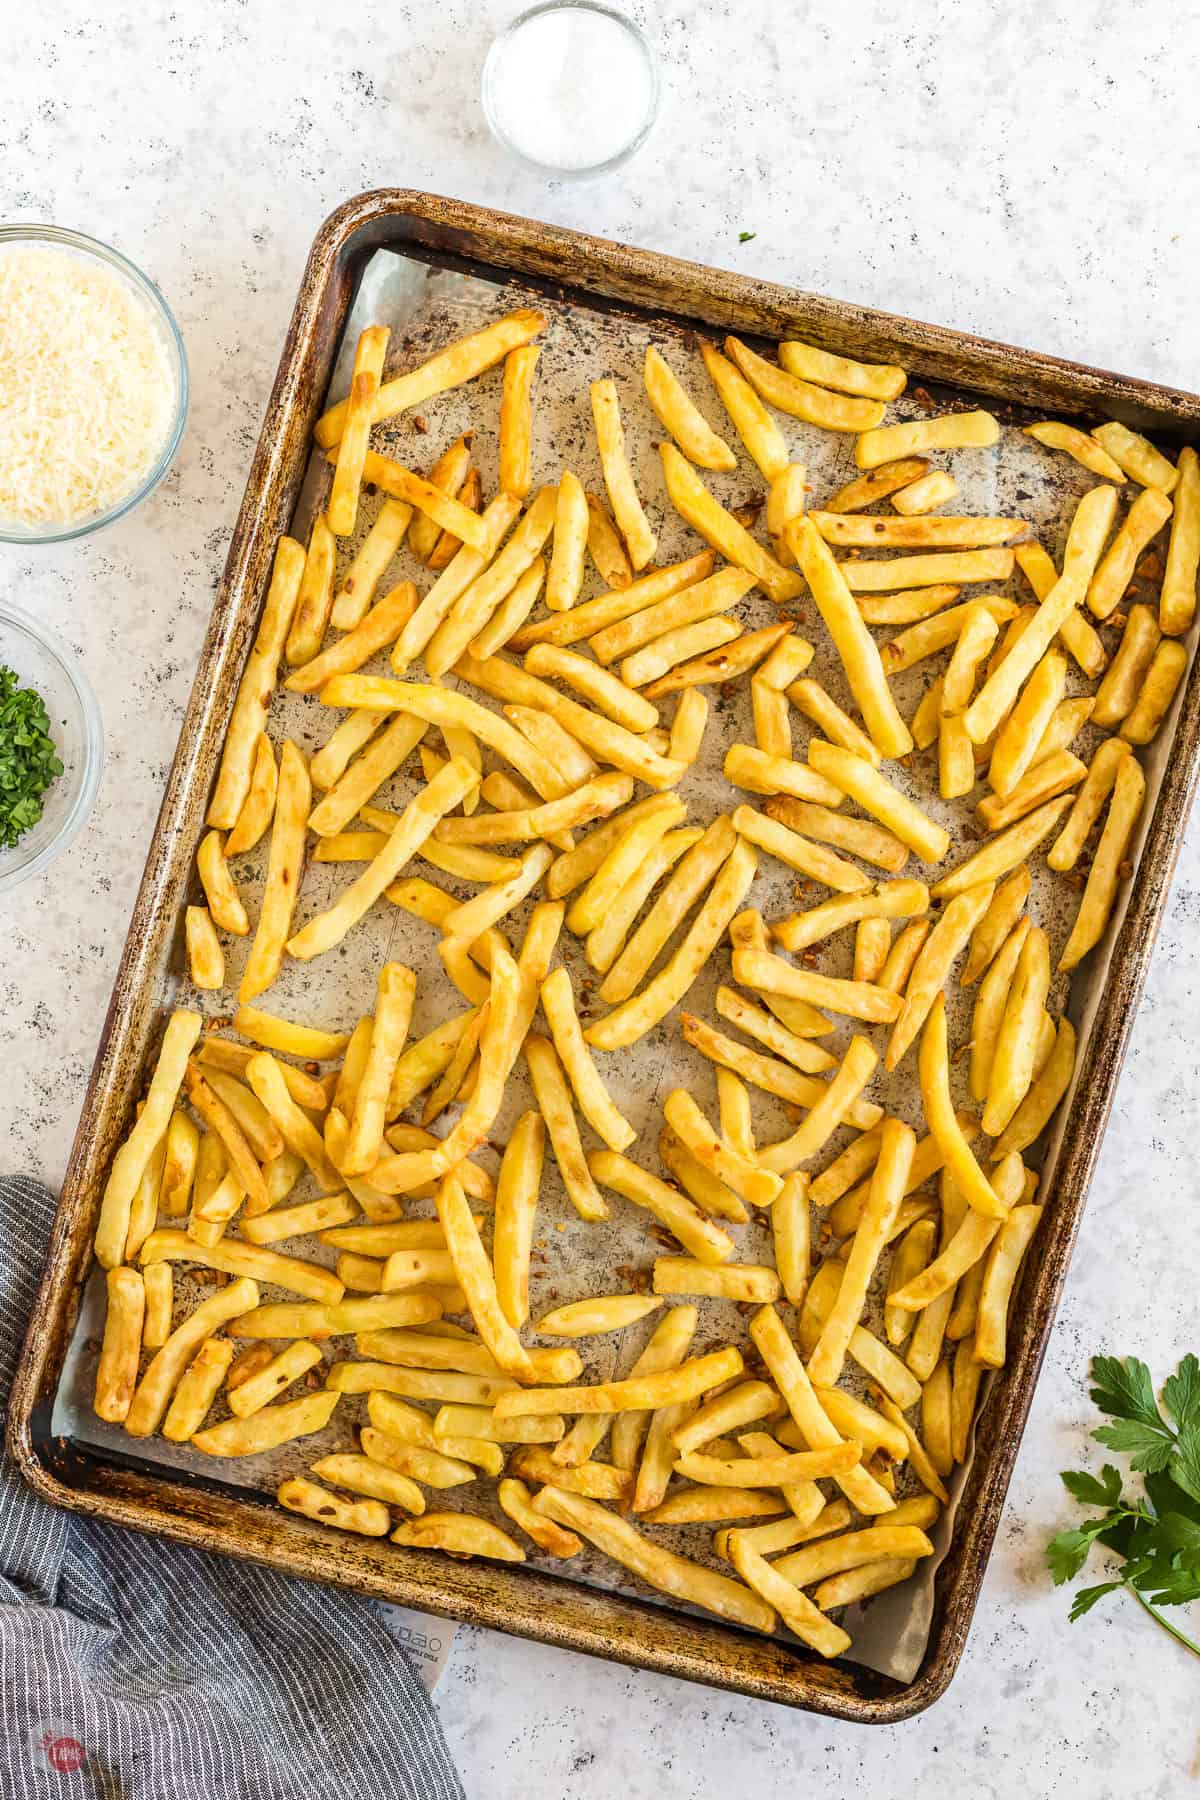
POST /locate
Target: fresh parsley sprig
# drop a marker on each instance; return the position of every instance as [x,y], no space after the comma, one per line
[28,759]
[1156,1537]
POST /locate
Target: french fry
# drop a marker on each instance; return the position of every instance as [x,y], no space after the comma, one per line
[872,942]
[1167,668]
[855,645]
[876,795]
[931,969]
[757,1186]
[455,581]
[284,863]
[679,415]
[356,427]
[517,1193]
[1077,633]
[1003,911]
[810,1058]
[1137,456]
[798,1612]
[554,1100]
[768,1471]
[315,601]
[611,743]
[684,644]
[516,421]
[710,1194]
[687,1381]
[864,1426]
[889,900]
[162,1374]
[964,1248]
[618,476]
[361,579]
[459,362]
[1144,520]
[383,1485]
[249,718]
[367,1518]
[1126,675]
[179,1164]
[817,1430]
[605,546]
[1003,852]
[923,495]
[516,1501]
[417,822]
[940,1117]
[475,1275]
[772,720]
[891,1172]
[1012,1069]
[117,1367]
[198,1388]
[769,974]
[855,1161]
[743,1282]
[1177,597]
[753,423]
[786,1533]
[443,1385]
[685,1220]
[266,1078]
[786,501]
[278,1373]
[458,1534]
[396,991]
[1049,777]
[373,633]
[158,1280]
[630,1021]
[129,1163]
[907,607]
[710,1505]
[1040,1103]
[816,405]
[290,1039]
[607,938]
[450,473]
[854,1549]
[659,1568]
[234,1258]
[1104,876]
[744,1404]
[861,837]
[559,1007]
[886,478]
[747,767]
[259,1129]
[766,1072]
[801,854]
[874,381]
[476,605]
[810,698]
[832,1110]
[911,533]
[220,890]
[950,431]
[512,611]
[724,664]
[989,1008]
[1088,804]
[259,804]
[592,1318]
[269,1427]
[933,569]
[718,527]
[270,1227]
[205,957]
[1086,450]
[999,1279]
[702,600]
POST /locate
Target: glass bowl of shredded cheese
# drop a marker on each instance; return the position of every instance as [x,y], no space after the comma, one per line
[93,385]
[45,701]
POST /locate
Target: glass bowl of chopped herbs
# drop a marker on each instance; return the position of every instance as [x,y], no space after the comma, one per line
[51,746]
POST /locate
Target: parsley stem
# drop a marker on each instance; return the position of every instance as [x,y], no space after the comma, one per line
[1179,1636]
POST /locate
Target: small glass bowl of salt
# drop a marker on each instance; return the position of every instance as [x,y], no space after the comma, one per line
[570,88]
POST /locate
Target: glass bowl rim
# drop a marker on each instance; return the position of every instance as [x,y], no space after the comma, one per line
[555,170]
[38,233]
[81,806]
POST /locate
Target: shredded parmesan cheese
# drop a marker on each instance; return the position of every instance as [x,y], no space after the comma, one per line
[87,393]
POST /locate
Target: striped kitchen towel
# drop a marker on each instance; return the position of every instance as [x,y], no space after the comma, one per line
[134,1668]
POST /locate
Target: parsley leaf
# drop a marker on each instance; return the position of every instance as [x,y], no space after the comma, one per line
[1084,1599]
[28,759]
[1156,1541]
[744,237]
[1085,1488]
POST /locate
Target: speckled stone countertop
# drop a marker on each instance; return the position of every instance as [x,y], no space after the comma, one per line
[1024,171]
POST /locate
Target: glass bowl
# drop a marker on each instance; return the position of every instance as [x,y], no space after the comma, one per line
[41,660]
[517,95]
[12,532]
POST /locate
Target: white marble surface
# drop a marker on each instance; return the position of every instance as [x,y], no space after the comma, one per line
[1024,170]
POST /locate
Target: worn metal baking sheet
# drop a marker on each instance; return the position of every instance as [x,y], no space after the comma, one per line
[428,304]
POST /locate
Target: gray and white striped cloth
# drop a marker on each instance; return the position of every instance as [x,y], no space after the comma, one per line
[134,1668]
